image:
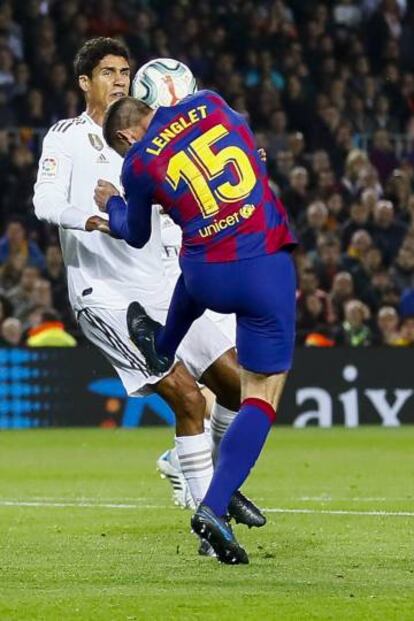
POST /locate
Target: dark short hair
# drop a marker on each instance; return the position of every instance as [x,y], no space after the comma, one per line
[122,114]
[92,52]
[50,314]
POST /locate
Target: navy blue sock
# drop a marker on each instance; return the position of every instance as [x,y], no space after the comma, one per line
[239,450]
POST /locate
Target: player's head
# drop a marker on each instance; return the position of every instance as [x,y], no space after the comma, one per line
[125,122]
[102,69]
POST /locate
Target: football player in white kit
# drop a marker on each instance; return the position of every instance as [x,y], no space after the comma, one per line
[105,274]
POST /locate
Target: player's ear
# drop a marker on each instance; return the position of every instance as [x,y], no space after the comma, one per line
[125,136]
[84,83]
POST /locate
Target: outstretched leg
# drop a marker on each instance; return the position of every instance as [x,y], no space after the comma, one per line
[158,344]
[183,311]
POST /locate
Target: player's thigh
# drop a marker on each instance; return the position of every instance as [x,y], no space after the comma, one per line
[225,323]
[266,322]
[107,330]
[202,346]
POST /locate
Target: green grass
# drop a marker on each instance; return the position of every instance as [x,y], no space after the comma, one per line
[110,564]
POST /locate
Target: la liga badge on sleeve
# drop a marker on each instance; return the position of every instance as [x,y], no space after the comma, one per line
[49,167]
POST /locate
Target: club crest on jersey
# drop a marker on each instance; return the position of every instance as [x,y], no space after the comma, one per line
[49,167]
[96,142]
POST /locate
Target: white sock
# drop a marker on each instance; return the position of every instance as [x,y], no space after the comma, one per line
[207,429]
[174,461]
[221,418]
[194,453]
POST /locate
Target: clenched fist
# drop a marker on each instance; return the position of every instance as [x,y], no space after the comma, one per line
[103,192]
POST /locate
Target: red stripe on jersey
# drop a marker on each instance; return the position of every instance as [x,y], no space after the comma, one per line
[225,250]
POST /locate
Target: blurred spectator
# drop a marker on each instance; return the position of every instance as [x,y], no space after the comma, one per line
[361,242]
[387,233]
[105,20]
[5,308]
[49,332]
[355,162]
[18,190]
[10,30]
[337,211]
[11,271]
[311,319]
[7,78]
[402,271]
[295,197]
[382,154]
[359,220]
[388,326]
[55,275]
[31,110]
[284,165]
[398,191]
[407,332]
[382,118]
[14,242]
[354,331]
[342,291]
[328,262]
[20,296]
[11,332]
[40,297]
[308,318]
[316,223]
[277,135]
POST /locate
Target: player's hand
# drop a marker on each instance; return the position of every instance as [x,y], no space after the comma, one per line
[96,223]
[103,192]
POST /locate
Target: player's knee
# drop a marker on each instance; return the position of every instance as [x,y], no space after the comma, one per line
[223,379]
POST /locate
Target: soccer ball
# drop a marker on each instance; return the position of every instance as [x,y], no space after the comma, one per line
[163,82]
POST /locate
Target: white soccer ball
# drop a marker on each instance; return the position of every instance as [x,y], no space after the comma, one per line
[163,82]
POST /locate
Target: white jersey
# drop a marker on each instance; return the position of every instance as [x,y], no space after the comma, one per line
[171,240]
[102,271]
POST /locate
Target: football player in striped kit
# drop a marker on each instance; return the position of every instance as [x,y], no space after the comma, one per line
[199,160]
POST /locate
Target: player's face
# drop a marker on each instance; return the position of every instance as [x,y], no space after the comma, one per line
[110,81]
[129,136]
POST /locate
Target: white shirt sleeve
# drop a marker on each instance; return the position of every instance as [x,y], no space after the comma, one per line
[52,188]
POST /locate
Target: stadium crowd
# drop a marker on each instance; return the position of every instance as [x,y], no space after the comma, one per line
[328,87]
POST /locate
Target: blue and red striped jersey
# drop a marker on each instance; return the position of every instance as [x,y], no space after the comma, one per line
[198,159]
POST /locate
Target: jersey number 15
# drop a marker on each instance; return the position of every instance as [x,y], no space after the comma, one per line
[204,165]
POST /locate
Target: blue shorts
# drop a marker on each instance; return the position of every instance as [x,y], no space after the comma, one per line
[262,293]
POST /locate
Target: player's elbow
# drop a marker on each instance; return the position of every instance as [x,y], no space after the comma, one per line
[137,242]
[40,207]
[137,235]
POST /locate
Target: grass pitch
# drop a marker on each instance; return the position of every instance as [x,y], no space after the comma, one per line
[87,530]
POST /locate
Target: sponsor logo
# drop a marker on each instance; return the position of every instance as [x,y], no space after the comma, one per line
[96,142]
[49,167]
[101,159]
[244,213]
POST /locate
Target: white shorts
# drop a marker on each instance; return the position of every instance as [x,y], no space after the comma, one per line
[107,329]
[226,323]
